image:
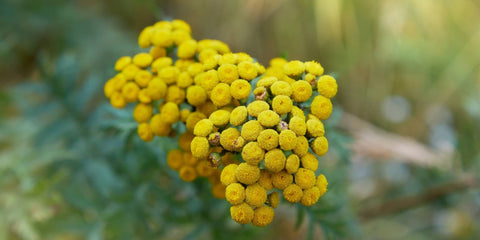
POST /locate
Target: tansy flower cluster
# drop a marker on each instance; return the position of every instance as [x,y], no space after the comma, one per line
[253,132]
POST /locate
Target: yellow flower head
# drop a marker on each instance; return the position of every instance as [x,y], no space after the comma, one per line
[175,159]
[266,81]
[302,146]
[130,92]
[179,36]
[183,64]
[282,179]
[310,196]
[142,60]
[117,100]
[142,112]
[297,112]
[228,138]
[309,161]
[298,126]
[163,25]
[320,146]
[196,95]
[189,159]
[180,24]
[157,52]
[293,193]
[170,112]
[301,91]
[227,176]
[268,118]
[192,120]
[278,62]
[184,113]
[252,153]
[175,95]
[227,73]
[143,96]
[200,147]
[169,74]
[122,63]
[162,37]
[292,164]
[220,117]
[255,195]
[184,80]
[294,68]
[228,58]
[251,130]
[238,116]
[211,62]
[247,70]
[268,139]
[184,141]
[240,89]
[218,190]
[130,70]
[282,104]
[235,193]
[220,95]
[207,108]
[265,179]
[274,199]
[321,107]
[160,127]
[143,77]
[327,86]
[203,128]
[195,69]
[187,173]
[287,140]
[205,54]
[109,87]
[305,178]
[275,160]
[247,174]
[263,216]
[244,57]
[145,132]
[187,49]
[281,88]
[322,184]
[314,68]
[310,78]
[144,39]
[256,107]
[242,213]
[315,128]
[160,63]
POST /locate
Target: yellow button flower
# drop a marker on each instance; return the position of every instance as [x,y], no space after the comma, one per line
[310,196]
[278,62]
[130,92]
[220,117]
[302,146]
[228,138]
[227,176]
[293,193]
[309,161]
[157,52]
[168,74]
[192,120]
[292,164]
[321,107]
[162,37]
[175,95]
[117,100]
[160,63]
[298,126]
[228,58]
[189,159]
[187,49]
[205,54]
[305,178]
[196,95]
[180,24]
[187,173]
[256,107]
[320,146]
[122,63]
[144,39]
[268,118]
[294,68]
[142,78]
[207,108]
[247,70]
[301,91]
[142,112]
[220,95]
[184,80]
[145,132]
[244,57]
[203,128]
[297,112]
[265,179]
[255,195]
[175,159]
[142,60]
[227,73]
[238,116]
[281,88]
[218,190]
[195,69]
[282,179]
[263,216]
[274,199]
[252,153]
[287,140]
[327,86]
[247,174]
[235,193]
[282,104]
[314,68]
[240,89]
[266,81]
[109,87]
[200,147]
[184,141]
[170,112]
[251,130]
[275,160]
[268,139]
[322,184]
[159,127]
[144,97]
[315,128]
[242,213]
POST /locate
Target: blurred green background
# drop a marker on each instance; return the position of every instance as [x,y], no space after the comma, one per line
[404,159]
